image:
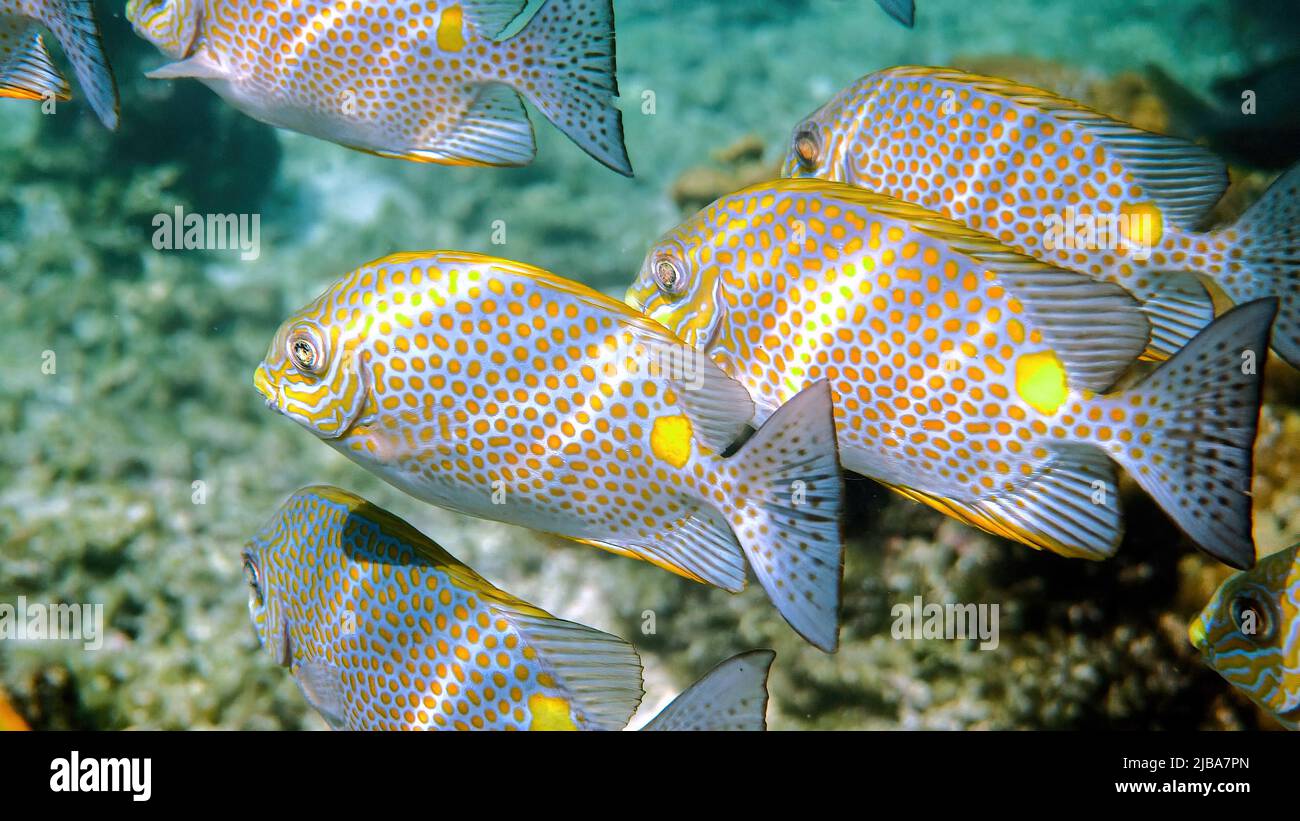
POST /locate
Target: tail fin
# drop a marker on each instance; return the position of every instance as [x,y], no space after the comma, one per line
[73,23]
[787,509]
[1268,244]
[904,11]
[1188,431]
[576,84]
[731,696]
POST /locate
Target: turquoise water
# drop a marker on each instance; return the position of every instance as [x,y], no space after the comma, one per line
[133,469]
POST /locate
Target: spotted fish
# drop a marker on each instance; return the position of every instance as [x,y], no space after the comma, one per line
[966,375]
[501,391]
[1250,634]
[422,80]
[1066,185]
[384,630]
[28,73]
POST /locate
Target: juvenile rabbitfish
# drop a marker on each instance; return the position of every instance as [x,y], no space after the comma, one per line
[421,80]
[28,73]
[1249,632]
[501,391]
[384,630]
[1064,184]
[966,375]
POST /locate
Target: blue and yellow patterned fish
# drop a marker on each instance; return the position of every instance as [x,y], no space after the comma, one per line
[384,630]
[505,392]
[420,80]
[965,375]
[1250,634]
[1057,181]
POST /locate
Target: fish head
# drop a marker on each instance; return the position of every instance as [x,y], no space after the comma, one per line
[172,26]
[679,284]
[744,243]
[1249,633]
[313,371]
[818,144]
[263,557]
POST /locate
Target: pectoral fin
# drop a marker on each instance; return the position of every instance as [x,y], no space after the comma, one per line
[199,66]
[322,686]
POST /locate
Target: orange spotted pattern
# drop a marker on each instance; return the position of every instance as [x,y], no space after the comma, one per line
[964,375]
[411,638]
[1006,159]
[401,77]
[502,391]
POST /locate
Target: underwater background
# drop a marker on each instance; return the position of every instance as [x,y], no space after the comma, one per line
[132,474]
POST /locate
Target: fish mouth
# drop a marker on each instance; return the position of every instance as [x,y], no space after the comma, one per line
[262,381]
[1196,633]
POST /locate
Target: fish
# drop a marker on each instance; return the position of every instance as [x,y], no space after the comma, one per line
[1066,185]
[422,80]
[28,73]
[382,629]
[1249,633]
[502,391]
[965,375]
[1268,137]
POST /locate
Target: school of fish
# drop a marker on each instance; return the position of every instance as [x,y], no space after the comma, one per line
[966,375]
[983,295]
[499,390]
[1062,183]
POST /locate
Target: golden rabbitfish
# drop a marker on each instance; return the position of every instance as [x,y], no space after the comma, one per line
[28,73]
[384,630]
[1249,632]
[498,390]
[421,80]
[966,375]
[1066,185]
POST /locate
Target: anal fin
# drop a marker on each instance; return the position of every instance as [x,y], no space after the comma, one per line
[730,697]
[1070,506]
[26,71]
[495,131]
[700,547]
[322,685]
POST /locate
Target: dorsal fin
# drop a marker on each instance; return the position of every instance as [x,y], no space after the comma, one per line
[492,17]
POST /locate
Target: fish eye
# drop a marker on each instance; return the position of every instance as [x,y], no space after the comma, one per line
[253,576]
[306,352]
[808,146]
[669,275]
[1252,616]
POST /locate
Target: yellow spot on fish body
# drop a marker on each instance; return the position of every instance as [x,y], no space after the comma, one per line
[670,439]
[1040,381]
[1142,225]
[550,713]
[451,30]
